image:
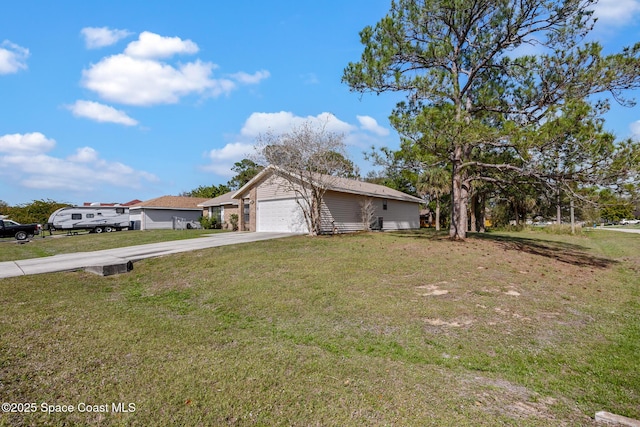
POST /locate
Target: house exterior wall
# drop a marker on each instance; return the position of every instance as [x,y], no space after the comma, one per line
[227,211]
[253,196]
[135,218]
[162,219]
[247,205]
[342,213]
[274,187]
[399,215]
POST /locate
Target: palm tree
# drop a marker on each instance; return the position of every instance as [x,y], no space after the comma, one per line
[434,182]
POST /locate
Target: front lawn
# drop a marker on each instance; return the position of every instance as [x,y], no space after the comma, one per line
[525,329]
[60,243]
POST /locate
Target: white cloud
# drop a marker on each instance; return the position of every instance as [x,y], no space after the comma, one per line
[23,158]
[138,77]
[134,81]
[616,13]
[251,79]
[25,143]
[283,121]
[101,113]
[233,151]
[259,123]
[84,155]
[150,45]
[222,159]
[370,124]
[635,129]
[95,38]
[13,58]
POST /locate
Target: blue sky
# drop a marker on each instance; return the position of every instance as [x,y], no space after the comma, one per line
[112,101]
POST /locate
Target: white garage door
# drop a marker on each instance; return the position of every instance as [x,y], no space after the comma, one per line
[280,216]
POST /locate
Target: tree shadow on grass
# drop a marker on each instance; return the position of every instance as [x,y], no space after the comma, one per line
[564,252]
[568,253]
[422,234]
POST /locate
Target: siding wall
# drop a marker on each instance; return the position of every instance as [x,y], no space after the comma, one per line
[162,219]
[275,187]
[344,212]
[341,211]
[399,215]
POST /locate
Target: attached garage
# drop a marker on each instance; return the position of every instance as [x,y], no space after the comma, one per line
[281,215]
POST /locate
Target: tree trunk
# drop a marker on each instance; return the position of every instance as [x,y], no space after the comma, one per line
[438,213]
[483,202]
[573,219]
[558,209]
[459,199]
[316,216]
[474,210]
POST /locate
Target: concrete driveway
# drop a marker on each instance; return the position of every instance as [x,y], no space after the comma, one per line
[119,256]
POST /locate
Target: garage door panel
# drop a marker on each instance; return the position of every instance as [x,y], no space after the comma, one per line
[283,215]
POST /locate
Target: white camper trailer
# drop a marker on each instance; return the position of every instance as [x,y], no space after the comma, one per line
[93,218]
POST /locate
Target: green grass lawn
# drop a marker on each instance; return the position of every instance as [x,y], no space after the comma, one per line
[60,243]
[523,329]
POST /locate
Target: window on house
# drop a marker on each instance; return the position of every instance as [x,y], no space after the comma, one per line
[384,205]
[216,213]
[246,213]
[76,216]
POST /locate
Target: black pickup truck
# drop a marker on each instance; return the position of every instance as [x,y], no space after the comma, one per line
[10,228]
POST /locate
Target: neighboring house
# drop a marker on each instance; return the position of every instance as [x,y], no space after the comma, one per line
[166,212]
[221,208]
[269,204]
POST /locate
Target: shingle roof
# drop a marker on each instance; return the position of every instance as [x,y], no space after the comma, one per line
[343,185]
[224,199]
[172,202]
[353,186]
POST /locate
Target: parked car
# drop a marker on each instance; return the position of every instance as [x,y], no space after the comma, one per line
[629,221]
[10,228]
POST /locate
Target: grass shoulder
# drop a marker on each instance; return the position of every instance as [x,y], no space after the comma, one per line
[61,243]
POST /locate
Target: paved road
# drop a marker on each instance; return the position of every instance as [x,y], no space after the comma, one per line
[624,230]
[80,260]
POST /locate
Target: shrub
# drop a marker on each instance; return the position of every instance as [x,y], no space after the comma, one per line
[209,223]
[234,221]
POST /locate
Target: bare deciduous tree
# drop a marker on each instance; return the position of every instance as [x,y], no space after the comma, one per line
[308,159]
[367,212]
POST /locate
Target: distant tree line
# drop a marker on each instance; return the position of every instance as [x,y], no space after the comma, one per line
[245,170]
[37,211]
